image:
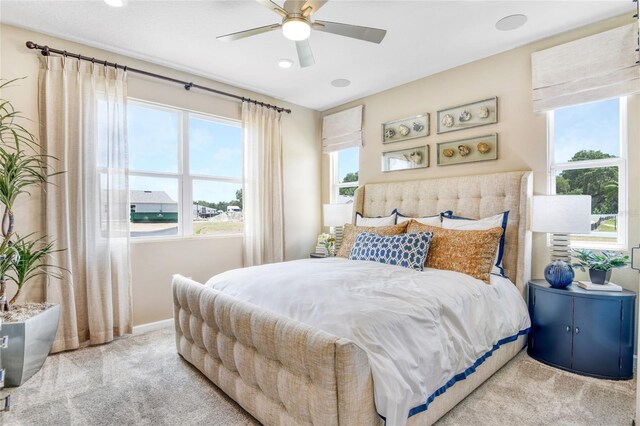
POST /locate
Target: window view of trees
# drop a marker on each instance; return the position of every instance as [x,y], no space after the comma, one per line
[350,191]
[345,164]
[601,183]
[588,159]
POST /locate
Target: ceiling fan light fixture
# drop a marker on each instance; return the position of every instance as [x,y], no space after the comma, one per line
[285,63]
[296,29]
[115,3]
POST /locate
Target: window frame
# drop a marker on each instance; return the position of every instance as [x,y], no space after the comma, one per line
[334,174]
[620,162]
[184,177]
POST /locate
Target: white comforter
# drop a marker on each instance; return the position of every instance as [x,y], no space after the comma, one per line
[419,329]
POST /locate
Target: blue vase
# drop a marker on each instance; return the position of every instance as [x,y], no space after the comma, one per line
[559,274]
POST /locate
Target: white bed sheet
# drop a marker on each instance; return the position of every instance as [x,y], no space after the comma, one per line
[419,329]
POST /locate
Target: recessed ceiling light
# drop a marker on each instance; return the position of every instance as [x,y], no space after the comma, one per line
[296,29]
[511,22]
[285,63]
[340,82]
[115,3]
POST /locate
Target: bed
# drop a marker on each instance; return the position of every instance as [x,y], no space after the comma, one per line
[286,372]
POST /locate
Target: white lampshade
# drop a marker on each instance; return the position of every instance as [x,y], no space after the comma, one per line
[337,214]
[561,214]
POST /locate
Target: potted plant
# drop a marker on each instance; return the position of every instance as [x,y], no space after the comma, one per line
[29,328]
[600,265]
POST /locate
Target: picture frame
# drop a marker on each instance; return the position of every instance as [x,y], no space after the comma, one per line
[467,116]
[405,159]
[479,148]
[404,129]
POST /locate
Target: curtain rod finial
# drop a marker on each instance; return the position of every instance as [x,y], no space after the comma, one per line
[31,45]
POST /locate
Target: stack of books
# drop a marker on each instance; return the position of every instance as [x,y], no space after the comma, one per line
[320,249]
[588,285]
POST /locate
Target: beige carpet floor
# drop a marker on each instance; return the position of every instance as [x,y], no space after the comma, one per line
[140,380]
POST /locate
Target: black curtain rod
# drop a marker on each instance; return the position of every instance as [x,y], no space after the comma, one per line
[46,51]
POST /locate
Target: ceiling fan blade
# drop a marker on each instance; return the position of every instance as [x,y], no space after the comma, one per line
[374,35]
[273,6]
[293,6]
[312,6]
[305,55]
[248,33]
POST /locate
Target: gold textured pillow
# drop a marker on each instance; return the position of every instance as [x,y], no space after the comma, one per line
[350,233]
[470,252]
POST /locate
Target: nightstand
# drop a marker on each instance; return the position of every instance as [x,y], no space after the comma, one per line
[318,255]
[585,332]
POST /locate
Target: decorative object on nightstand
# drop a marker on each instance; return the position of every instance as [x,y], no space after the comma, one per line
[336,215]
[326,245]
[561,215]
[600,265]
[585,332]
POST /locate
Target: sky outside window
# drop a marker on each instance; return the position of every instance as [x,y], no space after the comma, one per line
[215,149]
[348,162]
[154,136]
[594,126]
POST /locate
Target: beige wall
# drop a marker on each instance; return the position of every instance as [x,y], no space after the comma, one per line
[521,133]
[153,263]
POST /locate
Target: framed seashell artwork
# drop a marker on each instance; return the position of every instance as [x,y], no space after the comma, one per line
[474,114]
[406,159]
[470,150]
[405,128]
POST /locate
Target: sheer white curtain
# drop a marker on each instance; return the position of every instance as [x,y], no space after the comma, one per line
[83,125]
[263,196]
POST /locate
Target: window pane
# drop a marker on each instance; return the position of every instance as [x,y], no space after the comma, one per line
[587,132]
[348,165]
[217,207]
[154,204]
[215,148]
[602,184]
[346,194]
[154,138]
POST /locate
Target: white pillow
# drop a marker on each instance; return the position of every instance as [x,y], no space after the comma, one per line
[426,220]
[376,221]
[499,220]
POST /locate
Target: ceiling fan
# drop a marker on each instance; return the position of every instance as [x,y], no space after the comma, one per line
[297,25]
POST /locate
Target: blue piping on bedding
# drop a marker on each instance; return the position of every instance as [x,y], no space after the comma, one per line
[466,373]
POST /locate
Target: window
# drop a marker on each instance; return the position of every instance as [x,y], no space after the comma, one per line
[185,172]
[587,156]
[344,174]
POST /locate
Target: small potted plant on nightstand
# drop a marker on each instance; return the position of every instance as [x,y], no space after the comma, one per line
[600,265]
[29,328]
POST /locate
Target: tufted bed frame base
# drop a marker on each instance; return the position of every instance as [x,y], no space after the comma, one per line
[284,372]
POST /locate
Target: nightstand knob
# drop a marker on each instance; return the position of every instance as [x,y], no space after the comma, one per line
[568,329]
[577,330]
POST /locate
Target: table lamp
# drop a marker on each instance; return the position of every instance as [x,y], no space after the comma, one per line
[336,215]
[561,215]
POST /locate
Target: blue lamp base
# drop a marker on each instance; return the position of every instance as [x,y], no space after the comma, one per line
[559,274]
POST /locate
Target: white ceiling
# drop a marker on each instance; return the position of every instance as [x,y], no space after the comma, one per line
[423,38]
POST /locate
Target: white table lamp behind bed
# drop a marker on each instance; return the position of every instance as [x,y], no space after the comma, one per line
[336,215]
[560,216]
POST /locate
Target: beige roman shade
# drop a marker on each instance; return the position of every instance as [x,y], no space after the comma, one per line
[593,68]
[342,130]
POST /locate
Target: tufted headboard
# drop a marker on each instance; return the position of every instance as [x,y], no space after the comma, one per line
[468,196]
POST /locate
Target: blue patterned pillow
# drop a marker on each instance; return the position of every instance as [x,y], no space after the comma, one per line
[408,250]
